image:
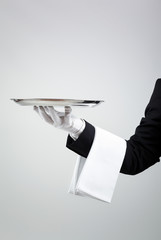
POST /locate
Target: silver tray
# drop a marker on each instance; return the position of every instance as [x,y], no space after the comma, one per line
[56,102]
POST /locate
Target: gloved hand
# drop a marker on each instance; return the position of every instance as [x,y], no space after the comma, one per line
[63,120]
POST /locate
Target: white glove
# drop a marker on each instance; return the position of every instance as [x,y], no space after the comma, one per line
[63,120]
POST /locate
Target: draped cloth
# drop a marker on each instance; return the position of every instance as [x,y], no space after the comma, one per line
[96,175]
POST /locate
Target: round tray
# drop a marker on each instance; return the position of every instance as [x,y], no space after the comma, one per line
[56,102]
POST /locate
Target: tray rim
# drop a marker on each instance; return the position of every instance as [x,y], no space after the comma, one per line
[57,101]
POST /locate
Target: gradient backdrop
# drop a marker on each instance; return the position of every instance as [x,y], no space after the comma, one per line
[88,49]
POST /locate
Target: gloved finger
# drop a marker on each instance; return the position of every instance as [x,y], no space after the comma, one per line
[68,110]
[60,114]
[35,108]
[44,115]
[54,115]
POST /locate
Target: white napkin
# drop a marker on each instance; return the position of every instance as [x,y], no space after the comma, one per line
[96,175]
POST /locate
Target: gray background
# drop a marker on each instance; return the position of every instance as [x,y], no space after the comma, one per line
[84,49]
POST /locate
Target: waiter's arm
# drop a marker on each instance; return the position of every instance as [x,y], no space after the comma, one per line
[143,148]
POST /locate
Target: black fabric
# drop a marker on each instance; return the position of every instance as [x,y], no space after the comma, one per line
[143,148]
[83,144]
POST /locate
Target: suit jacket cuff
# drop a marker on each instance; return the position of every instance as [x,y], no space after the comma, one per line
[83,144]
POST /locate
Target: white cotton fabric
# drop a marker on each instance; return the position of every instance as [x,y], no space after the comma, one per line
[96,175]
[62,120]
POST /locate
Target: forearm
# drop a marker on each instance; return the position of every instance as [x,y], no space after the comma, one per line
[143,148]
[84,143]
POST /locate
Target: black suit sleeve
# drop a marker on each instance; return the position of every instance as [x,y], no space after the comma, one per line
[83,144]
[143,148]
